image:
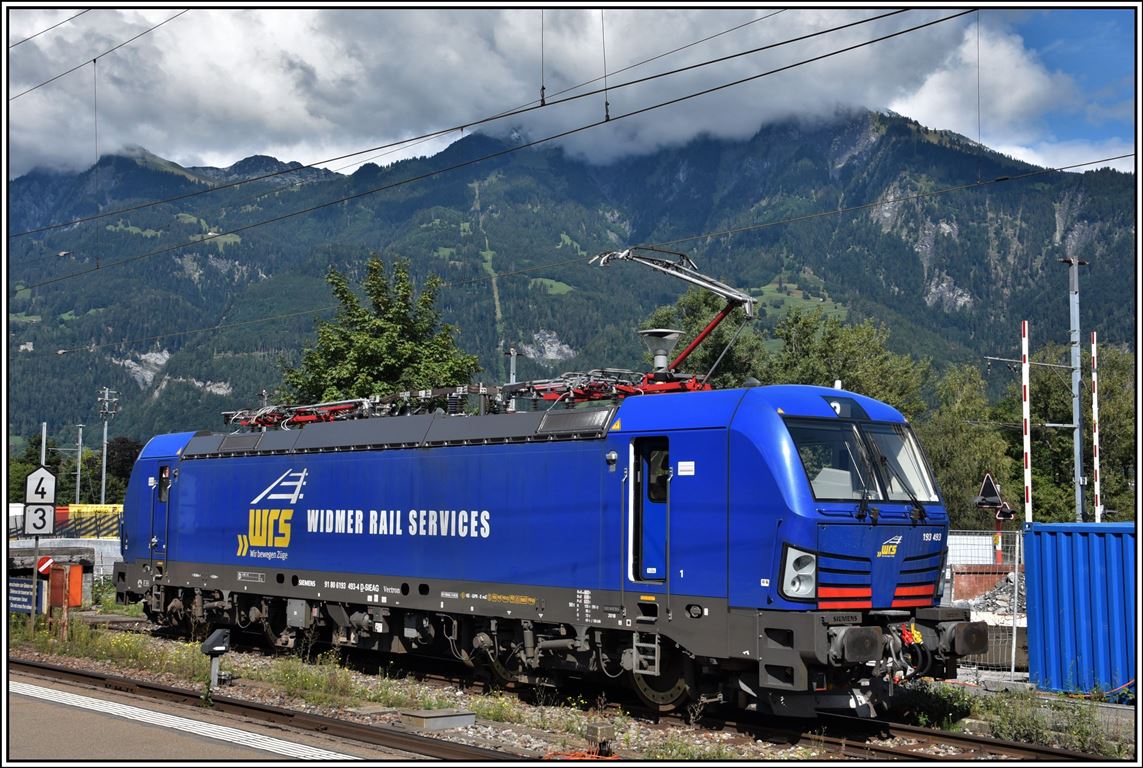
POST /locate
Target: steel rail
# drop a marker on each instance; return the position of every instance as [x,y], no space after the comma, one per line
[375,735]
[850,737]
[983,745]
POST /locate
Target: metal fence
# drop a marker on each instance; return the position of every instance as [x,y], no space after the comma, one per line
[985,572]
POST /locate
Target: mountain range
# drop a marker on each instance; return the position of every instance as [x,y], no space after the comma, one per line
[969,249]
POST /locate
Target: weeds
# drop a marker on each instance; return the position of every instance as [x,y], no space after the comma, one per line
[497,707]
[83,640]
[1082,731]
[1016,716]
[103,600]
[678,747]
[932,704]
[324,681]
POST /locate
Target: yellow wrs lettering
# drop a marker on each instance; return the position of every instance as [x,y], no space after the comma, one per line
[270,527]
[887,550]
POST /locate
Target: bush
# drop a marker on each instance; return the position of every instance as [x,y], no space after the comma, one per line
[1017,716]
[932,704]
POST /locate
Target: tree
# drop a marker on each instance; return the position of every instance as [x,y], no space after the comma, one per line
[397,343]
[121,455]
[962,445]
[19,467]
[819,350]
[690,314]
[1053,473]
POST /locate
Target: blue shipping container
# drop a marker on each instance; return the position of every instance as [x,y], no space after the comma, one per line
[1081,605]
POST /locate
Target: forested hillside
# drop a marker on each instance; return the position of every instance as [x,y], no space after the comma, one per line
[951,274]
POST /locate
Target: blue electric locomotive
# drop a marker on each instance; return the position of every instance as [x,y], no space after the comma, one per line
[779,547]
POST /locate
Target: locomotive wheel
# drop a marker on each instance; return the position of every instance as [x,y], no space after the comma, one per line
[671,688]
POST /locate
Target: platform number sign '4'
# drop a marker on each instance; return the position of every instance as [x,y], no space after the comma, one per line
[40,487]
[40,500]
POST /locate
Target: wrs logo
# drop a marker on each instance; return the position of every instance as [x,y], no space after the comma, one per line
[889,547]
[270,527]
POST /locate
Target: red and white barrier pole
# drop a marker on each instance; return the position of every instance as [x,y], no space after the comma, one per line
[1024,366]
[1095,427]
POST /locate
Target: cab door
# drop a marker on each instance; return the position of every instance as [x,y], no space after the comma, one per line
[160,501]
[650,504]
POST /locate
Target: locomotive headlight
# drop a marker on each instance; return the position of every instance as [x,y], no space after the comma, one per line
[799,574]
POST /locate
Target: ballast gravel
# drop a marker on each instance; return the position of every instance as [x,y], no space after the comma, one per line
[534,731]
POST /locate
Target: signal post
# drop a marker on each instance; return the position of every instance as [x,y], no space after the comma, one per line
[39,520]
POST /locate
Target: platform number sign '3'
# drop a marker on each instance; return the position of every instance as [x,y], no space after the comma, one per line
[40,499]
[39,519]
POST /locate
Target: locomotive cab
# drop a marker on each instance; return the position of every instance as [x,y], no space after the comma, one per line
[849,603]
[144,534]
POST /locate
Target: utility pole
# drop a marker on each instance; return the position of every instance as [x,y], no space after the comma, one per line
[1077,412]
[78,461]
[512,365]
[108,407]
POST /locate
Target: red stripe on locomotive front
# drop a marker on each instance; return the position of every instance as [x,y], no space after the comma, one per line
[914,589]
[844,592]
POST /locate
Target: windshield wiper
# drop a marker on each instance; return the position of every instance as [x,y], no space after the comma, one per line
[920,508]
[864,509]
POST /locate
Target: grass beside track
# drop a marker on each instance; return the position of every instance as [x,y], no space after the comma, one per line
[1022,716]
[324,682]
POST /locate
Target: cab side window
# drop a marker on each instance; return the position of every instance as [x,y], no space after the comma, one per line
[658,470]
[164,483]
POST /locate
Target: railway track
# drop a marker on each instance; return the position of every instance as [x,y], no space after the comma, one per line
[861,738]
[380,736]
[929,743]
[851,737]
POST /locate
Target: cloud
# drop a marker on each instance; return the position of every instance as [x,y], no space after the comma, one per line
[1058,154]
[217,85]
[1016,92]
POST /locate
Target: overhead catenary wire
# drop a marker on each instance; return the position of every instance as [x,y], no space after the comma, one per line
[979,136]
[579,259]
[95,116]
[541,54]
[413,141]
[500,153]
[541,102]
[49,29]
[603,45]
[517,111]
[84,64]
[664,54]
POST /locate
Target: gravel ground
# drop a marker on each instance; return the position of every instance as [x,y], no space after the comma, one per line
[535,731]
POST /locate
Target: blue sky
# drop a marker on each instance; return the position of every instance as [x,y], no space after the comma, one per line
[218,84]
[1096,48]
[1057,85]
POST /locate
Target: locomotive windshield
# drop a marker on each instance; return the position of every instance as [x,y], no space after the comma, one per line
[835,459]
[906,471]
[841,460]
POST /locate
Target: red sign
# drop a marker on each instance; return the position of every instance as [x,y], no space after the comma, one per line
[44,564]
